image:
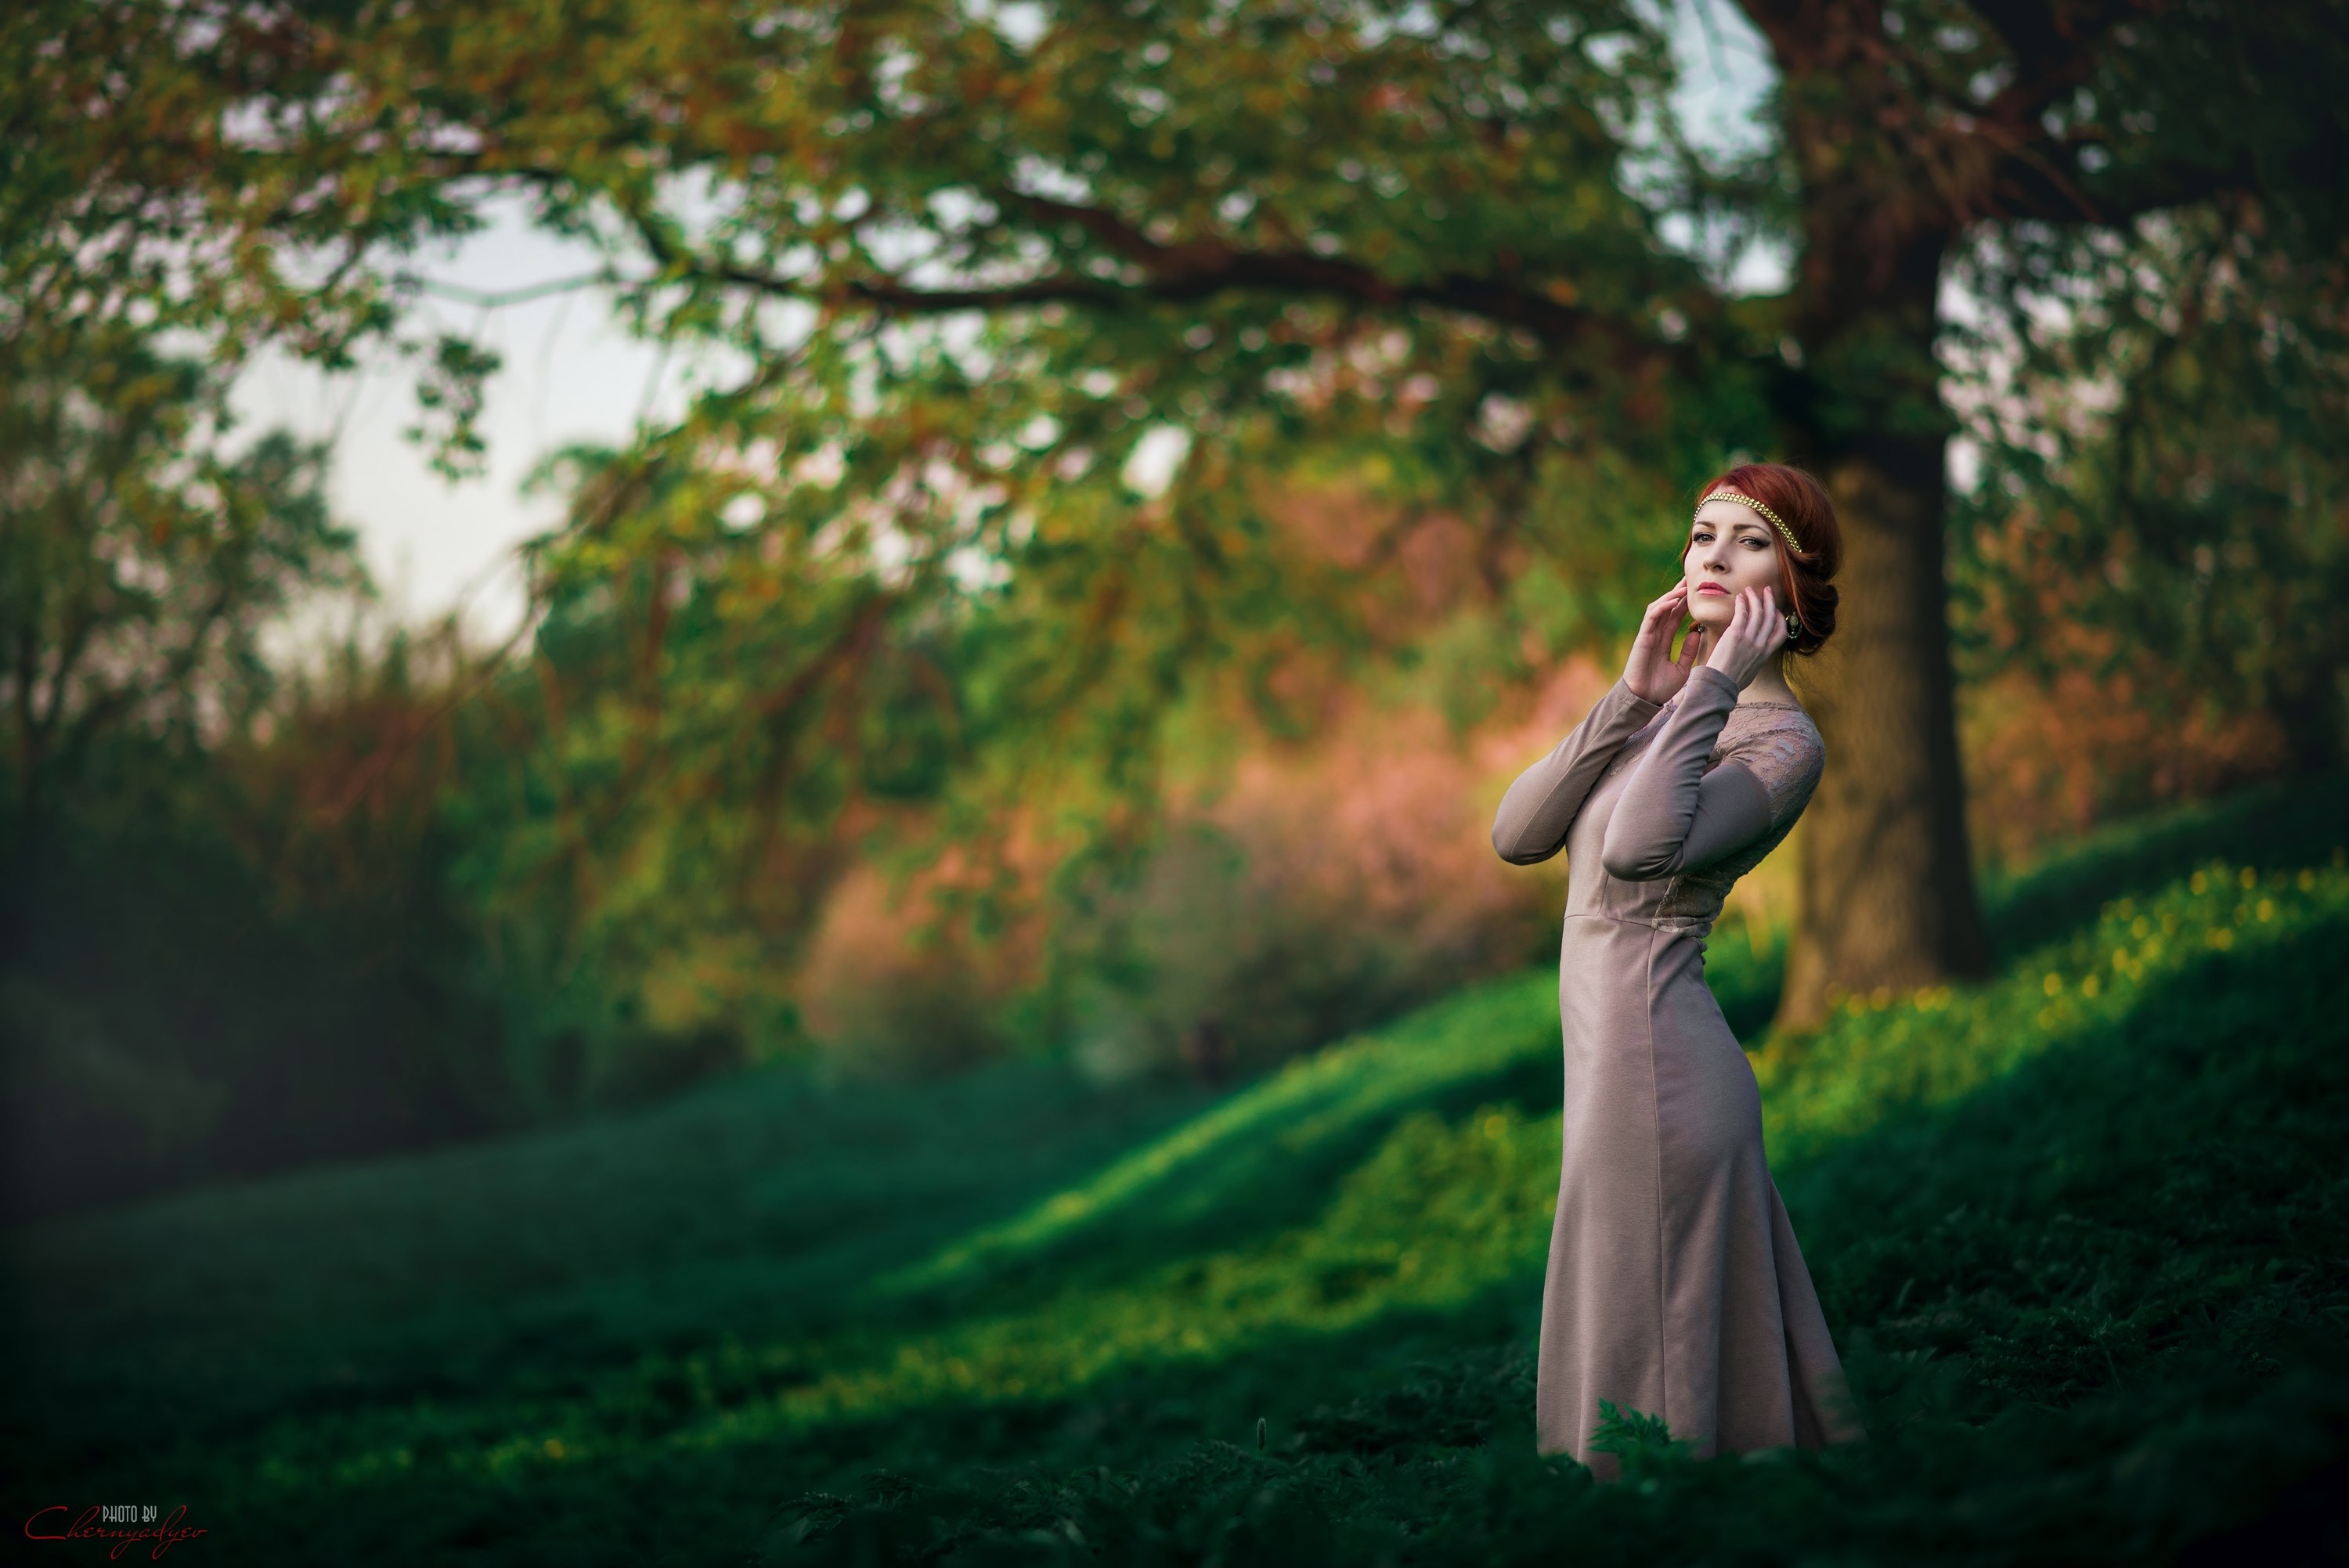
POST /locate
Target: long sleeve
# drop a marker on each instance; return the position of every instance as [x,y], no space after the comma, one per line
[1672,815]
[1531,820]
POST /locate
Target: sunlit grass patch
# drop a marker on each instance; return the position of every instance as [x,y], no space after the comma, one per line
[2290,822]
[1881,1052]
[2091,1287]
[1441,1209]
[1445,1209]
[1440,1212]
[1319,1099]
[1282,1129]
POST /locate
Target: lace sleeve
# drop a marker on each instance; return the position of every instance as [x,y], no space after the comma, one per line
[1788,759]
[1675,814]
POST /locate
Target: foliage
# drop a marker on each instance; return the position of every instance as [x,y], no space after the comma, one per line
[162,181]
[1837,1082]
[2083,1260]
[162,1020]
[2285,822]
[2161,499]
[976,263]
[207,984]
[1643,1443]
[1119,391]
[140,559]
[154,240]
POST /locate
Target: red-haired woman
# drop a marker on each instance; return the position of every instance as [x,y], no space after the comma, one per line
[1675,1287]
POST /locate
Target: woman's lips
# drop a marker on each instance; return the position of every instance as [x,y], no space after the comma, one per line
[1711,588]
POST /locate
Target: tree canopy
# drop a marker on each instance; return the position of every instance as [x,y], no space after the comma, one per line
[1449,257]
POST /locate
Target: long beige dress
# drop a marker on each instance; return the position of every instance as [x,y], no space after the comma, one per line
[1675,1287]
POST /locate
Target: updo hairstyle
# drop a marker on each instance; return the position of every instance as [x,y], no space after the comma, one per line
[1804,576]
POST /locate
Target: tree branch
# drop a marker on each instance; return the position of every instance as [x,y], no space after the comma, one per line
[494,299]
[2031,172]
[1187,272]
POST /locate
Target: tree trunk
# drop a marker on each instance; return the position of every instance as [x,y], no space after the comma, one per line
[1886,881]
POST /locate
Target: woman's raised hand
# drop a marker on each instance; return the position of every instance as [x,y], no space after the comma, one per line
[1650,671]
[1755,631]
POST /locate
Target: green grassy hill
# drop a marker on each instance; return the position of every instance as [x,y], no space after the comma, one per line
[2080,1232]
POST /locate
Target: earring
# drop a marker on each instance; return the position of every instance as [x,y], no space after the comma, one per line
[1794,625]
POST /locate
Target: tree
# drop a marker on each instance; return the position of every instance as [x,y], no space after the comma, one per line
[1911,129]
[142,552]
[140,563]
[973,255]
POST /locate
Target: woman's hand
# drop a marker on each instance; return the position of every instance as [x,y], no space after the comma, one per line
[1756,631]
[1650,671]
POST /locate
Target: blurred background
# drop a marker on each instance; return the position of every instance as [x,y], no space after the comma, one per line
[864,570]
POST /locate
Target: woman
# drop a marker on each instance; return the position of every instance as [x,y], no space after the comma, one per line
[1675,1286]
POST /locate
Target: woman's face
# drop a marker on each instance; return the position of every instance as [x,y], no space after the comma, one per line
[1729,548]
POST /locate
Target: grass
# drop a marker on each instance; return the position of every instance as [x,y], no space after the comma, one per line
[2079,1232]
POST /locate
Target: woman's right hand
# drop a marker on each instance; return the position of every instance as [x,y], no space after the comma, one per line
[1650,671]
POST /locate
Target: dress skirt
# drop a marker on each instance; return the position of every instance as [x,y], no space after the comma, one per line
[1674,1286]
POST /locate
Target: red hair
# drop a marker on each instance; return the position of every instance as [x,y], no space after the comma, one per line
[1804,584]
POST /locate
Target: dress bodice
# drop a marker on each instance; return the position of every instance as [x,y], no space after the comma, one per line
[1777,742]
[1661,807]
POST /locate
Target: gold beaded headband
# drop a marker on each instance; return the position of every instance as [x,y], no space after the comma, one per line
[1748,501]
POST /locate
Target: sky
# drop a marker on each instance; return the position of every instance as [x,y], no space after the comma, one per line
[572,372]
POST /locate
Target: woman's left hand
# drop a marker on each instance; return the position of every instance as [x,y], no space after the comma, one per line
[1756,631]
